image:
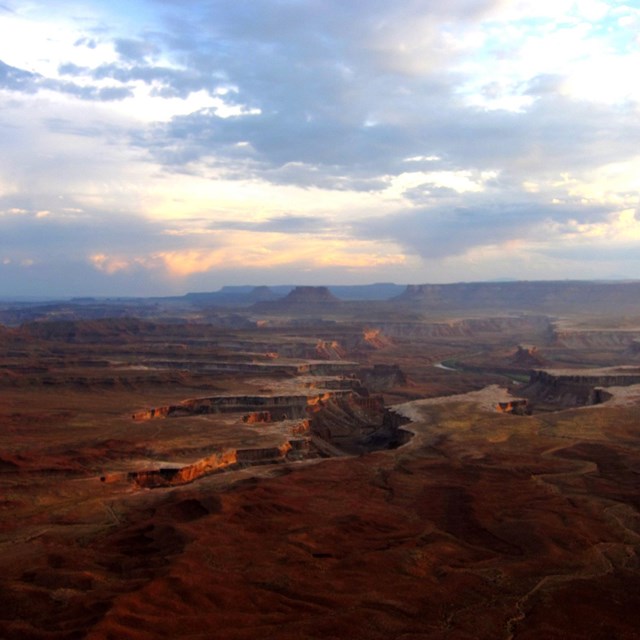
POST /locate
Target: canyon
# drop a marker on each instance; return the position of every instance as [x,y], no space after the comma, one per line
[292,463]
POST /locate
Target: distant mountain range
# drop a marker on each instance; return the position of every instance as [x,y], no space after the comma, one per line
[247,295]
[530,296]
[537,297]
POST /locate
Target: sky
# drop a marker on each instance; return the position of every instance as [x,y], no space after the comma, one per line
[156,147]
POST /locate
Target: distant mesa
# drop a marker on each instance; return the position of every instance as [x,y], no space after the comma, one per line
[301,299]
[311,295]
[262,294]
[234,296]
[244,296]
[530,296]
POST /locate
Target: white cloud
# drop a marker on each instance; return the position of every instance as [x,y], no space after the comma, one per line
[371,135]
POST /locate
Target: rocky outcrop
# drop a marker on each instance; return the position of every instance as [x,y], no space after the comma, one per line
[469,327]
[219,461]
[336,425]
[344,420]
[391,434]
[527,357]
[597,339]
[375,338]
[330,350]
[264,408]
[382,376]
[514,407]
[580,387]
[256,417]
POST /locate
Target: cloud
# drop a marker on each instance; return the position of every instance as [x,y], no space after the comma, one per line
[291,224]
[17,79]
[74,234]
[22,81]
[448,230]
[185,140]
[134,50]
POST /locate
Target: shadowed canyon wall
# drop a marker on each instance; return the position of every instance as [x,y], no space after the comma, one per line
[576,388]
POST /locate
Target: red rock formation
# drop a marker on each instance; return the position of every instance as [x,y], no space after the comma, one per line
[219,461]
[276,407]
[527,356]
[375,338]
[257,417]
[170,477]
[330,350]
[382,376]
[515,407]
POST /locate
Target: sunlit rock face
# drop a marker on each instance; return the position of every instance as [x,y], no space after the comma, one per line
[336,424]
[330,350]
[262,408]
[515,407]
[375,338]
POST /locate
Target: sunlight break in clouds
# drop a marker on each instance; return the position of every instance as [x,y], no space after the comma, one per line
[175,143]
[242,250]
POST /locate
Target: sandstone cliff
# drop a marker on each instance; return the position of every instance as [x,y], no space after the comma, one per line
[578,387]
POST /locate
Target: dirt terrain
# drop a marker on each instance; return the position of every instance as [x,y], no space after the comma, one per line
[295,471]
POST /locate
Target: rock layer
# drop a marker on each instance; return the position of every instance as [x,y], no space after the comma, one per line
[577,387]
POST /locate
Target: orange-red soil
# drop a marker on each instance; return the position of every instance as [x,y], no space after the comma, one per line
[485,525]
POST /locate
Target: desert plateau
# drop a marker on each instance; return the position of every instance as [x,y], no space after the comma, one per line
[382,462]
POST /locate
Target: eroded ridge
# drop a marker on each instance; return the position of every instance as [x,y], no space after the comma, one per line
[577,387]
[490,522]
[322,425]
